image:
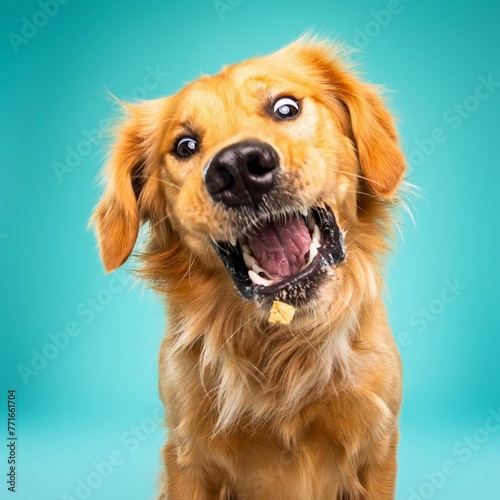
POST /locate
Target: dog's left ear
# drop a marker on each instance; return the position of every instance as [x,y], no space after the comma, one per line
[372,128]
[129,176]
[381,160]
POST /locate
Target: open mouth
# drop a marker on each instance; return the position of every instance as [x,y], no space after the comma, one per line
[284,258]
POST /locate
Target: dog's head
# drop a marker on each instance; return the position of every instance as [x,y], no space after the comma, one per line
[256,173]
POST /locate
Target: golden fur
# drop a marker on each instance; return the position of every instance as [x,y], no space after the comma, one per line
[306,411]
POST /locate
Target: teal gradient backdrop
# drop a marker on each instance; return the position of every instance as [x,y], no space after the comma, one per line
[88,395]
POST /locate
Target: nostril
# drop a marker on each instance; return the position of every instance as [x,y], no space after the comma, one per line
[254,165]
[226,180]
[259,163]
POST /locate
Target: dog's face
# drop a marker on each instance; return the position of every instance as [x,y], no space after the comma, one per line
[257,171]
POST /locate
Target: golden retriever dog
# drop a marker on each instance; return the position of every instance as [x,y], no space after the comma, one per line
[269,192]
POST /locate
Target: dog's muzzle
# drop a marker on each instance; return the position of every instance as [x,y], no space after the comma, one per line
[280,255]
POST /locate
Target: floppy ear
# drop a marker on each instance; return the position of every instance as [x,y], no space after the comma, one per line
[380,157]
[123,206]
[372,127]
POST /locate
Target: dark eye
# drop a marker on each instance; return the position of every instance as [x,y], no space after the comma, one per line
[286,107]
[186,146]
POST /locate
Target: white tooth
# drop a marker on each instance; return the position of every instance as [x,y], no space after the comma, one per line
[313,251]
[232,240]
[256,268]
[245,248]
[316,237]
[249,260]
[304,211]
[258,280]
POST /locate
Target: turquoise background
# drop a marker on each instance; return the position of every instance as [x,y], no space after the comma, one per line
[97,397]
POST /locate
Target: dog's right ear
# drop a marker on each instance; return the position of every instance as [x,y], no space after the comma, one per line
[128,173]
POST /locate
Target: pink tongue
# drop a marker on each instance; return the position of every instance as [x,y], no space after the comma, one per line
[280,247]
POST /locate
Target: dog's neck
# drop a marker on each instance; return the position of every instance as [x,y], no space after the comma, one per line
[260,371]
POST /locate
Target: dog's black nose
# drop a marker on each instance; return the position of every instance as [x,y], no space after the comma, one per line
[241,174]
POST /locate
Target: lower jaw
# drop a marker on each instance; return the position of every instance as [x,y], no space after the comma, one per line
[297,289]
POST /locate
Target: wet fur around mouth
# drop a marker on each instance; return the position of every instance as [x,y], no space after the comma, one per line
[300,287]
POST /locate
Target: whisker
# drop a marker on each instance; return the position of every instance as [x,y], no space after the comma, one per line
[237,330]
[358,176]
[216,243]
[355,316]
[161,180]
[162,219]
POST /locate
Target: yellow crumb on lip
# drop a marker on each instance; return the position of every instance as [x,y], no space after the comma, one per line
[281,313]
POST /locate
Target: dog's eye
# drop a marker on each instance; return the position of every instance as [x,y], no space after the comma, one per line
[286,107]
[186,146]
